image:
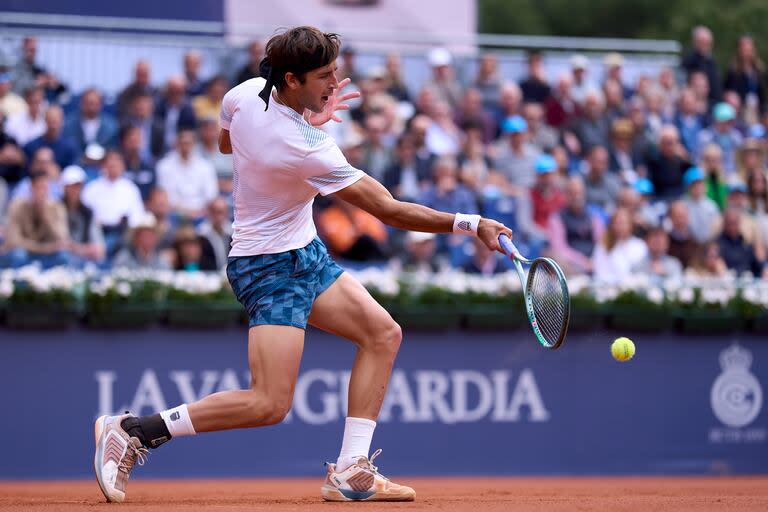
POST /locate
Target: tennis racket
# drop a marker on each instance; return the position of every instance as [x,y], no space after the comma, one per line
[546,295]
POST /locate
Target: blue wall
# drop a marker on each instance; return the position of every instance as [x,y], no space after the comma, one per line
[526,410]
[197,10]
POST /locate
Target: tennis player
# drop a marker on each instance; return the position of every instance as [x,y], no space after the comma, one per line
[282,274]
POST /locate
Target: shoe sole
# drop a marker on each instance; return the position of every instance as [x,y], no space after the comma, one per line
[332,494]
[98,430]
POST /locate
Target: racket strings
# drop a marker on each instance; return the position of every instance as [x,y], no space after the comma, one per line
[550,305]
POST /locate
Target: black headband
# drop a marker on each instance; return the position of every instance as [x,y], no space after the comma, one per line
[265,71]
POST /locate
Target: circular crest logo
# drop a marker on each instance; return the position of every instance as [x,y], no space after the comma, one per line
[736,395]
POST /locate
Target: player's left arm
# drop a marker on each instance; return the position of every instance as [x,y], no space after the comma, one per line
[371,196]
[225,145]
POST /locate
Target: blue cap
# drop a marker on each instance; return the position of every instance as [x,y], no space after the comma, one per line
[724,112]
[756,131]
[692,175]
[644,186]
[545,164]
[5,76]
[514,124]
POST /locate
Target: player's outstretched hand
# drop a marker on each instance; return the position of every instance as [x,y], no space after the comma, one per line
[489,230]
[335,102]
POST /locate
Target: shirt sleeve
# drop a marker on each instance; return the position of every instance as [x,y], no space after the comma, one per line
[327,170]
[228,108]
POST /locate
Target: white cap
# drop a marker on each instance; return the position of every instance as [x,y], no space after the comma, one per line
[145,220]
[377,72]
[613,59]
[416,237]
[439,57]
[579,62]
[73,174]
[94,151]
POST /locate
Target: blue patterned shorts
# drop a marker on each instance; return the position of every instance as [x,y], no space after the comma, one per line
[279,289]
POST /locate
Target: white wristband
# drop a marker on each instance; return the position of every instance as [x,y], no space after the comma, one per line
[466,224]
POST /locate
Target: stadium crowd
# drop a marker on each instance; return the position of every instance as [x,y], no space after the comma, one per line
[665,175]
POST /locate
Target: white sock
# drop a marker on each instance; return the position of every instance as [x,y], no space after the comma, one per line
[358,433]
[178,422]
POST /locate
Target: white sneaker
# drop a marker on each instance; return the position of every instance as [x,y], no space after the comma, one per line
[116,454]
[362,482]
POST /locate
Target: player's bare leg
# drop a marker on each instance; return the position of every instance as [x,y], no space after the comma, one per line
[274,355]
[348,310]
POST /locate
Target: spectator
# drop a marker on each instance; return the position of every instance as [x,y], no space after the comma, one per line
[560,106]
[591,128]
[42,161]
[217,230]
[535,87]
[614,100]
[208,147]
[189,179]
[650,214]
[475,167]
[27,73]
[37,228]
[447,194]
[630,199]
[619,253]
[613,63]
[139,168]
[748,227]
[420,253]
[602,186]
[443,136]
[157,204]
[377,155]
[658,262]
[510,104]
[712,165]
[689,121]
[192,62]
[192,252]
[395,84]
[682,245]
[539,133]
[667,164]
[654,106]
[351,233]
[581,84]
[515,157]
[174,112]
[92,125]
[425,159]
[3,203]
[622,155]
[723,133]
[114,199]
[209,104]
[86,239]
[472,113]
[251,68]
[746,76]
[750,157]
[708,262]
[30,124]
[546,197]
[405,178]
[757,191]
[738,254]
[348,68]
[484,261]
[670,91]
[488,81]
[10,102]
[703,212]
[152,130]
[642,140]
[142,251]
[12,158]
[443,82]
[141,86]
[64,151]
[699,84]
[700,59]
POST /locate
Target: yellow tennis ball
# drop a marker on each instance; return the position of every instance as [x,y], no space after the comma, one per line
[622,349]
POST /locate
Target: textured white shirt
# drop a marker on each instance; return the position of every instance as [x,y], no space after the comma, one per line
[24,128]
[620,262]
[191,184]
[113,200]
[281,162]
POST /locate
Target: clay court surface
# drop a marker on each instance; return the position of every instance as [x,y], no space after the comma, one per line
[471,494]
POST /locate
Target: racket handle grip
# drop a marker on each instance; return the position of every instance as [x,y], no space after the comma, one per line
[508,247]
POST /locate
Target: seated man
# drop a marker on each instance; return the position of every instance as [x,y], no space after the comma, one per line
[142,250]
[658,263]
[739,255]
[86,237]
[37,229]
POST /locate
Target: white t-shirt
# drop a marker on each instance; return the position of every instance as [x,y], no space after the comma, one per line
[113,200]
[190,184]
[281,162]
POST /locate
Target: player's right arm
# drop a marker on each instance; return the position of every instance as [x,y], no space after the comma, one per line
[225,145]
[371,196]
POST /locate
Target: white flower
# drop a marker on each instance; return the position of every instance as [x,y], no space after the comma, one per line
[6,288]
[686,295]
[123,289]
[655,295]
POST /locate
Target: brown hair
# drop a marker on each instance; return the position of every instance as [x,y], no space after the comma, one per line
[609,238]
[299,50]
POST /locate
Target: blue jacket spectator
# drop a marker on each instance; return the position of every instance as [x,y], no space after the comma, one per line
[737,253]
[91,125]
[174,112]
[64,150]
